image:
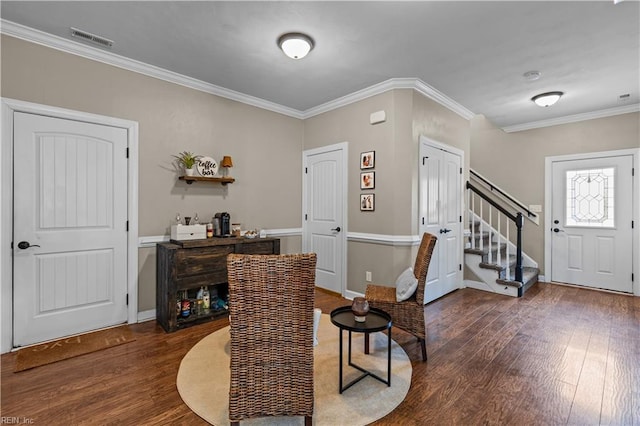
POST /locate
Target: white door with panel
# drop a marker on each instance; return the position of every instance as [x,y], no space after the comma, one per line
[591,224]
[70,227]
[324,216]
[440,215]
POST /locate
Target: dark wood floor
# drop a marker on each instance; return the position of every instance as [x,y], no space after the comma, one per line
[559,355]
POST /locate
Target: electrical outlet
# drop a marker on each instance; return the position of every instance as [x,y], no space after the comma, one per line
[367,276]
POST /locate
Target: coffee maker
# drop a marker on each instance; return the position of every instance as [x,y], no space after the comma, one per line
[224,222]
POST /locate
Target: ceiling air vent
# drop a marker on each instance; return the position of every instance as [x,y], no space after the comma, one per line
[92,38]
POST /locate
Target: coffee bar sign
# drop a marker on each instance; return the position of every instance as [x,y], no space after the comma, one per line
[207,167]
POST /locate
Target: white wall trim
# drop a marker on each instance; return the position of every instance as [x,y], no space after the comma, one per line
[69,46]
[392,84]
[573,118]
[149,315]
[9,106]
[59,43]
[548,191]
[383,239]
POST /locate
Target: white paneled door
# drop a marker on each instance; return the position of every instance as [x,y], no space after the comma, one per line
[440,215]
[70,227]
[324,221]
[591,223]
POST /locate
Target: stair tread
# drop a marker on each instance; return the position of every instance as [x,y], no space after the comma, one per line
[504,263]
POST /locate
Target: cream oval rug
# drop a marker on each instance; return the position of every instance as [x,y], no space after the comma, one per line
[203,380]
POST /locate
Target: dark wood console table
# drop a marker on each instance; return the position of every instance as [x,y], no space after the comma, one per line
[188,265]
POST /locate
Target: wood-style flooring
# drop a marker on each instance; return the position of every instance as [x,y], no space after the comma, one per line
[559,355]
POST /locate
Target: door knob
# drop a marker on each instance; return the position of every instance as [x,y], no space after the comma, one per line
[445,230]
[25,245]
[557,230]
[336,229]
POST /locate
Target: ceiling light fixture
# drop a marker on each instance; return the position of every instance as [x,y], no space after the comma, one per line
[547,99]
[295,45]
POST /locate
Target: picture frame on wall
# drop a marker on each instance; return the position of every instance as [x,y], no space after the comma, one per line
[367,180]
[367,202]
[367,160]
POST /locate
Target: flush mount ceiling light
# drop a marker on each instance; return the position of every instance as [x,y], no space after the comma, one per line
[295,45]
[547,99]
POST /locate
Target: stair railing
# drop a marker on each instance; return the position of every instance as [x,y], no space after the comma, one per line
[504,196]
[475,196]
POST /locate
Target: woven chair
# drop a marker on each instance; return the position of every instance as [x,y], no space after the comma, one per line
[407,315]
[271,302]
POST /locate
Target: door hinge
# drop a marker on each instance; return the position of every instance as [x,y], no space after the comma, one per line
[306,171]
[460,170]
[460,219]
[127,226]
[460,266]
[633,171]
[127,152]
[632,224]
[305,216]
[423,220]
[127,299]
[632,277]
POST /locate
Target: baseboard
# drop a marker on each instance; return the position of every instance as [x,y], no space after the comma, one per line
[147,315]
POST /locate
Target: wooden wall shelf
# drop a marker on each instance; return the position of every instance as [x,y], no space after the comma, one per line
[222,180]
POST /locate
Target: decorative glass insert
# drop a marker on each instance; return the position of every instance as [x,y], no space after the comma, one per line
[590,200]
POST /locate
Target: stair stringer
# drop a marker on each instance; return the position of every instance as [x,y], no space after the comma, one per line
[488,277]
[526,260]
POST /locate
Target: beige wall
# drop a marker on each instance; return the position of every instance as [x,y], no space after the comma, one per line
[266,147]
[516,161]
[395,141]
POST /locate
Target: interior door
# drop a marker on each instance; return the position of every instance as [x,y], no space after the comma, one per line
[324,220]
[591,229]
[70,227]
[441,210]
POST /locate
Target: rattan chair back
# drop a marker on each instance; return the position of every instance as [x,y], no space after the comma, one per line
[271,301]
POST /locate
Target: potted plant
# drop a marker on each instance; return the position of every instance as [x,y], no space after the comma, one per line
[187,160]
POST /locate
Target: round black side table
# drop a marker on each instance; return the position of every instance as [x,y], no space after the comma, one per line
[377,320]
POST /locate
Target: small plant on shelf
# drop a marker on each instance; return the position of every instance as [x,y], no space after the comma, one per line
[188,160]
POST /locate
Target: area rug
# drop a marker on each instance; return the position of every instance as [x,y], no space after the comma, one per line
[69,347]
[203,380]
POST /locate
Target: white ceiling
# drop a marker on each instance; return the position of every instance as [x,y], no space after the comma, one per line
[475,53]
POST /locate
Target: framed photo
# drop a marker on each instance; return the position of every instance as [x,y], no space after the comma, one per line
[367,202]
[367,160]
[367,180]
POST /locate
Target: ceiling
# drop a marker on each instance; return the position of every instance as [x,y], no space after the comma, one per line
[473,53]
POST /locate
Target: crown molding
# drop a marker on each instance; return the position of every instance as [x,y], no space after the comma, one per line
[573,118]
[69,46]
[75,48]
[392,84]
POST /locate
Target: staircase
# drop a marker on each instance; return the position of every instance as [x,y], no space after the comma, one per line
[492,254]
[489,261]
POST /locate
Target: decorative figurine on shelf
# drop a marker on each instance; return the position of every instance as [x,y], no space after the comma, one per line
[186,308]
[188,160]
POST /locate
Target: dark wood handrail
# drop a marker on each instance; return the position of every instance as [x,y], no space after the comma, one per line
[504,194]
[518,219]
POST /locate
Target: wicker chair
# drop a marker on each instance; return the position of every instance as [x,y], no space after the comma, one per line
[407,315]
[271,302]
